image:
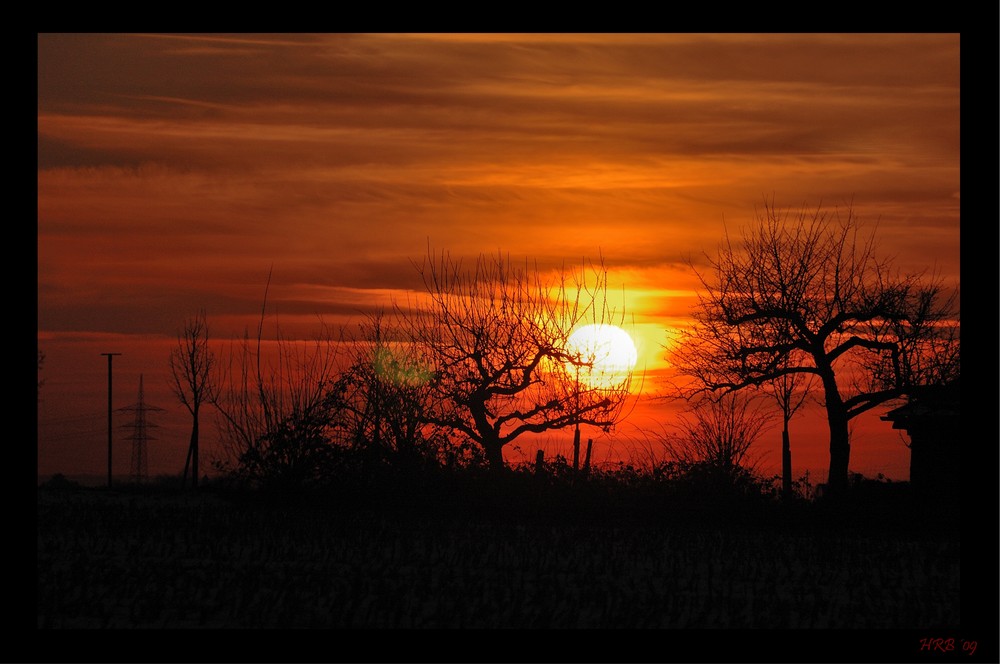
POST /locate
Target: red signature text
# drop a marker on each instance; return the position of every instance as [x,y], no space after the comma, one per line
[947,645]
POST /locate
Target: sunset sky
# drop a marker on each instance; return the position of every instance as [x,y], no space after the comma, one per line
[176,171]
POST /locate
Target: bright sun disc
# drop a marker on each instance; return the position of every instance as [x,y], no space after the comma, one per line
[609,348]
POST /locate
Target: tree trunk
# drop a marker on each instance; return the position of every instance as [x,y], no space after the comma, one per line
[840,453]
[489,437]
[187,466]
[786,463]
[194,452]
[494,455]
[840,447]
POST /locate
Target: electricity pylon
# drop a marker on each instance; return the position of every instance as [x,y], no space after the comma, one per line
[139,436]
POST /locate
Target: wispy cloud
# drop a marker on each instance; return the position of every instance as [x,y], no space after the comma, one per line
[202,153]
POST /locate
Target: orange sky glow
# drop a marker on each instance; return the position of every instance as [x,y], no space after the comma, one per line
[176,171]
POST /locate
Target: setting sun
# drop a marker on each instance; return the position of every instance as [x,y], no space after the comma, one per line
[609,348]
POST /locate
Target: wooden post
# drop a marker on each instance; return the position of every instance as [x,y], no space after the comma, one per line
[576,449]
[539,462]
[586,459]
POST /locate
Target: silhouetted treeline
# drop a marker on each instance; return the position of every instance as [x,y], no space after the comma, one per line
[803,304]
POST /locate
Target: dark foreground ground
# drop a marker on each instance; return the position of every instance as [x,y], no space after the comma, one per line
[128,559]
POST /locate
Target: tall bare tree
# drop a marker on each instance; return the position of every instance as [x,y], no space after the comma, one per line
[807,294]
[789,391]
[191,368]
[277,403]
[493,337]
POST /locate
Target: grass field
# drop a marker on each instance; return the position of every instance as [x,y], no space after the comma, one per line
[175,560]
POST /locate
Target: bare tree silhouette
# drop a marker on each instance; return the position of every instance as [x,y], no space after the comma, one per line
[719,432]
[809,295]
[191,368]
[493,339]
[384,395]
[276,405]
[789,391]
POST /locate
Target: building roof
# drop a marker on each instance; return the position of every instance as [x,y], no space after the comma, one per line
[926,405]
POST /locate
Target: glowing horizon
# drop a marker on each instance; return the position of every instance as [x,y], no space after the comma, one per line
[176,172]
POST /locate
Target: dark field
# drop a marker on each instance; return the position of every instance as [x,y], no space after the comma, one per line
[148,559]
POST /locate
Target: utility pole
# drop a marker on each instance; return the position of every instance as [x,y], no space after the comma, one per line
[110,356]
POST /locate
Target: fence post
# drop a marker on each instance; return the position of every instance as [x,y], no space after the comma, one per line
[576,450]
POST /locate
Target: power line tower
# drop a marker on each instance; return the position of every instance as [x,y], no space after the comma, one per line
[139,436]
